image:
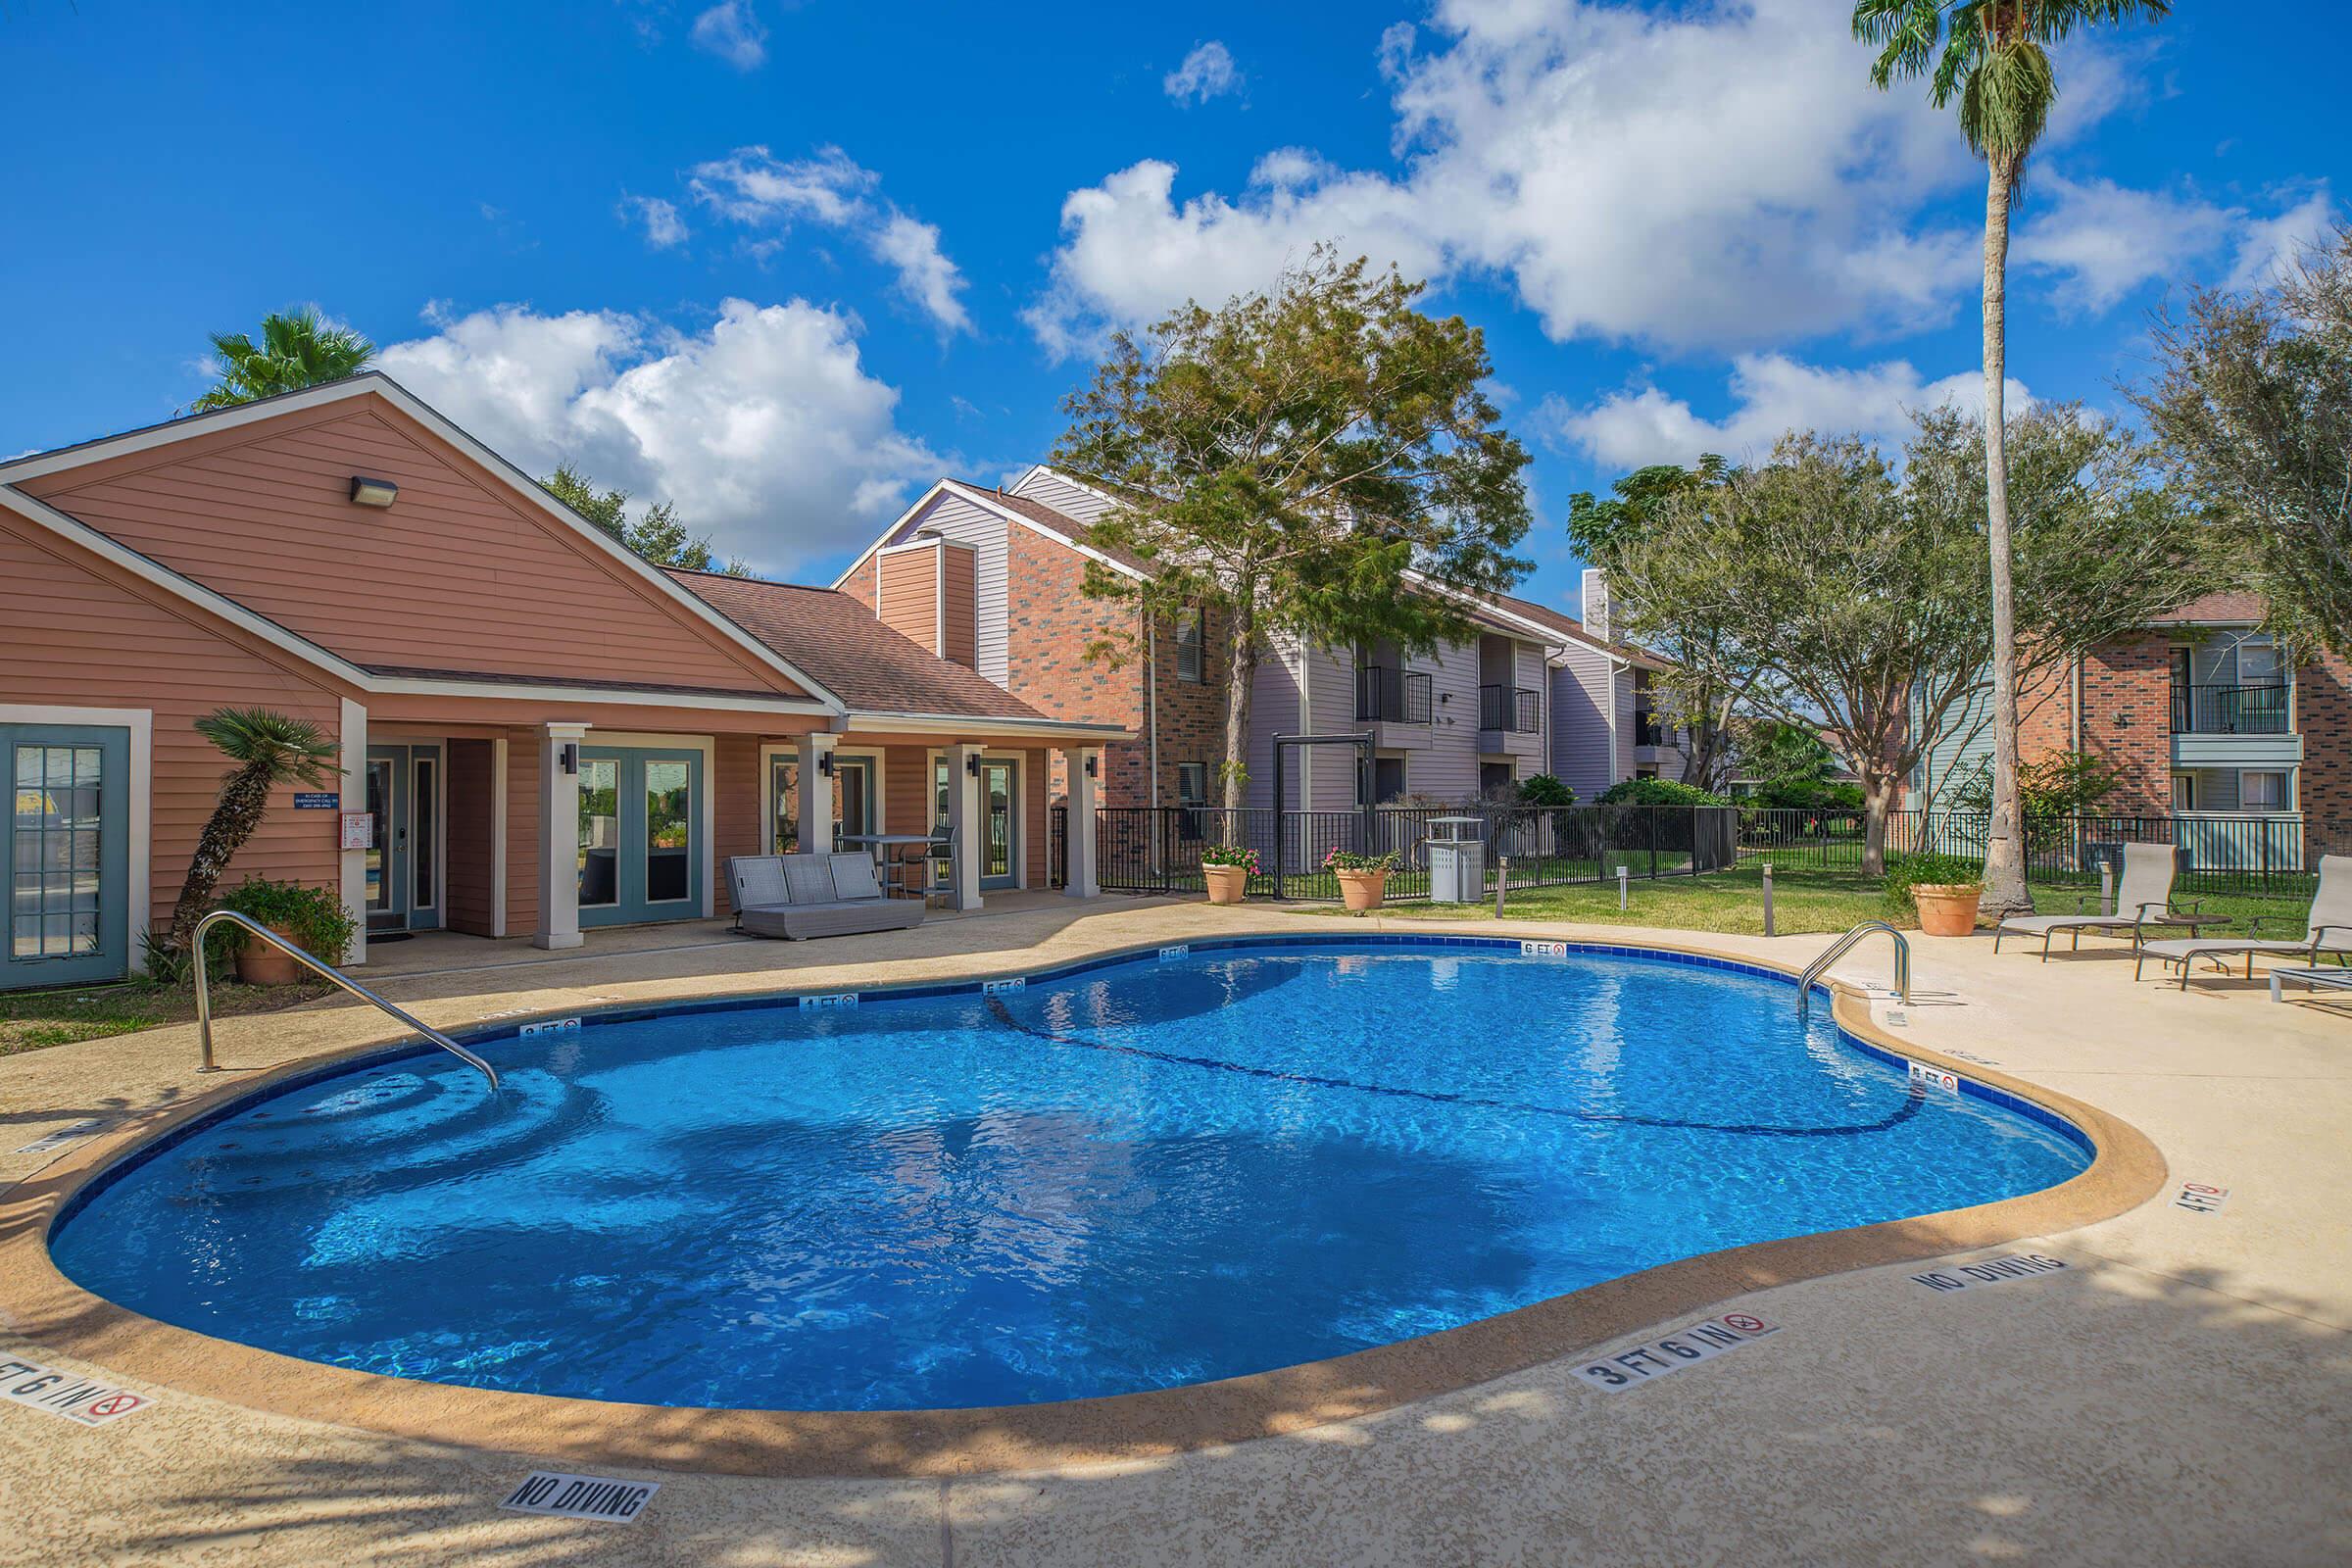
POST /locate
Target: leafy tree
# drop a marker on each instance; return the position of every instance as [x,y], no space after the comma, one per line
[2252,407]
[2060,785]
[658,536]
[1317,461]
[1859,592]
[298,349]
[1795,769]
[1545,790]
[1657,792]
[268,750]
[1991,58]
[1702,683]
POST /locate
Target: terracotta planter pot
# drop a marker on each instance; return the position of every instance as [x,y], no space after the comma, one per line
[1363,890]
[1227,884]
[1949,910]
[261,965]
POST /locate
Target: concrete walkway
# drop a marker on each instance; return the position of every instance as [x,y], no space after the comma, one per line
[2180,1393]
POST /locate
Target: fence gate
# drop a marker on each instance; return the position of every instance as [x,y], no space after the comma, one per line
[1310,848]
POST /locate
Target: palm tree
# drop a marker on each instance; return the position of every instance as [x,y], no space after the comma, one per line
[298,349]
[270,750]
[1992,56]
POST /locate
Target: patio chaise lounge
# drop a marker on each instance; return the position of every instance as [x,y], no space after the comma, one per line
[2329,930]
[2144,899]
[803,896]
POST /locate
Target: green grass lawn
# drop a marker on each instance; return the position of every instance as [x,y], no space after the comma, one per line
[32,1019]
[1803,901]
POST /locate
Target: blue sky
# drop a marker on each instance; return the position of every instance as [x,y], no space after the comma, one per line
[786,263]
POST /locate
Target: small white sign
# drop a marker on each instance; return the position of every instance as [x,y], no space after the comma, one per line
[1543,950]
[61,1137]
[1171,953]
[552,1026]
[600,1498]
[2199,1199]
[1991,1271]
[993,988]
[1924,1076]
[838,999]
[76,1397]
[358,830]
[1687,1346]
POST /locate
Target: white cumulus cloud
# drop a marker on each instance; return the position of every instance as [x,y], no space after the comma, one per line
[1771,394]
[764,427]
[732,31]
[1208,72]
[664,230]
[753,188]
[2270,245]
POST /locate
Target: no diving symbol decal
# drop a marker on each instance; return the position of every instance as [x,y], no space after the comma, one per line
[79,1399]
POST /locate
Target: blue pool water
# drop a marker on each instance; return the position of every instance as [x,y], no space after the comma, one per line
[1140,1176]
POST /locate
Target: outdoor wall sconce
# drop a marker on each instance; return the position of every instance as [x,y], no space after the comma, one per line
[824,764]
[570,756]
[368,491]
[1094,767]
[971,764]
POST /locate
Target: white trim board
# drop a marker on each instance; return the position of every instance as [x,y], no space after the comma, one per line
[983,499]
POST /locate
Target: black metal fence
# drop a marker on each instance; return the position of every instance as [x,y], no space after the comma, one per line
[1144,849]
[2268,857]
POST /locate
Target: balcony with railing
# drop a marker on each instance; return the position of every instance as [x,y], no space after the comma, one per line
[1648,730]
[1514,709]
[2235,727]
[1389,696]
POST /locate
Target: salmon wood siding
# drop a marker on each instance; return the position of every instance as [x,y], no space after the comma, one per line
[458,571]
[736,798]
[473,837]
[73,632]
[522,830]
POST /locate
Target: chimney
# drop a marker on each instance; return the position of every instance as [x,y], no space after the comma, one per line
[924,591]
[1596,603]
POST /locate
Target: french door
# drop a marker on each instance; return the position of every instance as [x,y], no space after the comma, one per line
[641,836]
[68,915]
[404,863]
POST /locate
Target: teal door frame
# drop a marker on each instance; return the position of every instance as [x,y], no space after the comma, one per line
[66,844]
[413,899]
[619,860]
[1011,876]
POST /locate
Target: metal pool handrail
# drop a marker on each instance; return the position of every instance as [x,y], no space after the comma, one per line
[325,971]
[1840,947]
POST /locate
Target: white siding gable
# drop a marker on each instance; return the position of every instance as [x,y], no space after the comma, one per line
[951,517]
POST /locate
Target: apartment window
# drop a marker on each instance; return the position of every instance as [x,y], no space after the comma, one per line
[1187,645]
[2184,792]
[2262,792]
[1387,779]
[1192,783]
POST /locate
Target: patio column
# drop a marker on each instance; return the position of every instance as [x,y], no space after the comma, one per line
[966,825]
[558,837]
[1081,879]
[816,793]
[350,867]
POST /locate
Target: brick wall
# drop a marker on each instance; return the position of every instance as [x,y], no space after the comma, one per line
[2127,720]
[2045,723]
[1192,713]
[1050,621]
[2323,715]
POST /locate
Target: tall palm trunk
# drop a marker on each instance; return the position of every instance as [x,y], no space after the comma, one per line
[2004,850]
[243,799]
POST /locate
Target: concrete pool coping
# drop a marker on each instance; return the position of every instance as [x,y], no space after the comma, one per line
[41,1303]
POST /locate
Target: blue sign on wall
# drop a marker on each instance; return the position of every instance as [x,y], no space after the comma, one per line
[308,801]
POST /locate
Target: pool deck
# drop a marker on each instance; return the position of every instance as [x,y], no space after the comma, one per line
[2180,1393]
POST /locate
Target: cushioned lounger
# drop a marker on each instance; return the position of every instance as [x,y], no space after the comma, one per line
[802,895]
[2329,930]
[2146,895]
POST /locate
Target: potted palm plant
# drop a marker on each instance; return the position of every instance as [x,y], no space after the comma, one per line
[269,750]
[1227,868]
[1363,879]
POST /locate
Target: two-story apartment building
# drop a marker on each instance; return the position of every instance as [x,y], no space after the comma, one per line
[993,577]
[2200,712]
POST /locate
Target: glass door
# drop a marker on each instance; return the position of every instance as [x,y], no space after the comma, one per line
[640,835]
[67,915]
[403,863]
[852,796]
[1000,808]
[387,877]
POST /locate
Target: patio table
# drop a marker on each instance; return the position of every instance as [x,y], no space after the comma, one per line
[880,844]
[2310,979]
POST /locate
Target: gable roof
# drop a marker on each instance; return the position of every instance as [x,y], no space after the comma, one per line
[376,384]
[1032,514]
[1568,626]
[874,669]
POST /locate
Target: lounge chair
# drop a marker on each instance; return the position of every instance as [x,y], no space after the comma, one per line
[2329,930]
[2144,899]
[802,895]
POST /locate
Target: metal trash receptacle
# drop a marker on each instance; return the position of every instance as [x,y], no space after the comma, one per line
[1457,860]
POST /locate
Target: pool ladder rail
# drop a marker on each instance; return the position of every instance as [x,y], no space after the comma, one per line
[1844,945]
[325,971]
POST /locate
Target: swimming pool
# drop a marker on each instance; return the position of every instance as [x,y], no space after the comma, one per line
[1154,1172]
